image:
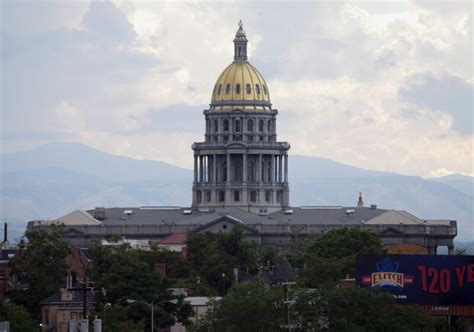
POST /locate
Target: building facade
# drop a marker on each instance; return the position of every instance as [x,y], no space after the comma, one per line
[241,178]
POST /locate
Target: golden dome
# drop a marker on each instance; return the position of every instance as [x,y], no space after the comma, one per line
[240,85]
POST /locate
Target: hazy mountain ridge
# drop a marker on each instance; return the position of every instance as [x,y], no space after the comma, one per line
[57,178]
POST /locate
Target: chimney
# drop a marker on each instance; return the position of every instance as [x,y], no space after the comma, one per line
[5,233]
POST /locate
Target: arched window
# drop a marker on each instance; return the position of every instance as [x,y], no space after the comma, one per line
[264,89]
[237,126]
[269,126]
[250,171]
[237,88]
[261,125]
[257,89]
[226,125]
[250,125]
[237,170]
[248,88]
[227,89]
[216,126]
[220,89]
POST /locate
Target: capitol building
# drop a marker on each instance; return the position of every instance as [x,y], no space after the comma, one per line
[241,178]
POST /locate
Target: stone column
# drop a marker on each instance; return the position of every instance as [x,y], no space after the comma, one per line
[195,169]
[244,165]
[286,168]
[201,175]
[214,168]
[259,168]
[228,167]
[272,168]
[280,170]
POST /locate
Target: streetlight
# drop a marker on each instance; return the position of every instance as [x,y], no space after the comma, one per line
[223,283]
[130,301]
[105,311]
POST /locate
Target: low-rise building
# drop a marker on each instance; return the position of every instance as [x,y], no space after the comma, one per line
[63,306]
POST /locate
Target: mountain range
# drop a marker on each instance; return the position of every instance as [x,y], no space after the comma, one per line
[57,178]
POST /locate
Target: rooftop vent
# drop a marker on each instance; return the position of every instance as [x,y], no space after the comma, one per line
[350,212]
[289,211]
[99,213]
[128,212]
[187,211]
[263,212]
[373,206]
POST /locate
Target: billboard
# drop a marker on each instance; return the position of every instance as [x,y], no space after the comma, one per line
[420,279]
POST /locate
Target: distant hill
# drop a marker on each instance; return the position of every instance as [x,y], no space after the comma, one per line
[57,178]
[459,182]
[88,161]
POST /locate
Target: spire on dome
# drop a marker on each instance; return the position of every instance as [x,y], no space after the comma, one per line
[360,202]
[240,44]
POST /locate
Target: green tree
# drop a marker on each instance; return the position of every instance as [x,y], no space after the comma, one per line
[250,307]
[355,309]
[17,316]
[332,256]
[212,254]
[41,268]
[127,274]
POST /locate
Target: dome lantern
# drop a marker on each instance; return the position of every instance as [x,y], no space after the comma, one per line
[240,44]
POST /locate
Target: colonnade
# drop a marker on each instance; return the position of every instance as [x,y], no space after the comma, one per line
[240,167]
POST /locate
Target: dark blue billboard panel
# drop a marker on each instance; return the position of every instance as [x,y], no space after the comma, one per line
[420,279]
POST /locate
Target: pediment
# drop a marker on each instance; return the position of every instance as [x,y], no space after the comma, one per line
[223,224]
[73,232]
[391,231]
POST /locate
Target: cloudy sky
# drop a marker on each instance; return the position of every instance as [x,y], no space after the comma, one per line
[380,85]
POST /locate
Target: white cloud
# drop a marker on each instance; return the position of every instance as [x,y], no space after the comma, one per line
[118,76]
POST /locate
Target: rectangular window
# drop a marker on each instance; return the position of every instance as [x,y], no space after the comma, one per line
[268,196]
[237,88]
[236,196]
[221,196]
[257,88]
[253,196]
[248,88]
[227,89]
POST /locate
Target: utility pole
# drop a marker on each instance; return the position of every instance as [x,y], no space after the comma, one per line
[84,290]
